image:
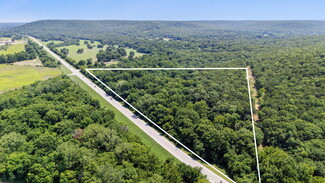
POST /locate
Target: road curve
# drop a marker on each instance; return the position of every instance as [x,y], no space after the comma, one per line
[158,137]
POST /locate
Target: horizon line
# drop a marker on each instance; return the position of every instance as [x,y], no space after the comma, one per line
[166,20]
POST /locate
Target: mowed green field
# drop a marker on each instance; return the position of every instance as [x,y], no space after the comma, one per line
[14,48]
[87,53]
[16,76]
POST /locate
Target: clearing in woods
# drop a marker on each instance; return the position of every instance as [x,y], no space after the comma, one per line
[255,96]
[86,54]
[89,53]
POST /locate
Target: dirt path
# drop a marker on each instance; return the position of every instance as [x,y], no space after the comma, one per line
[252,81]
[35,62]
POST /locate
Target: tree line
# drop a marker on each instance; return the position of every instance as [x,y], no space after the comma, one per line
[111,53]
[32,51]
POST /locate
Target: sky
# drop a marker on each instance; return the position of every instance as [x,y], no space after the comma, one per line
[31,10]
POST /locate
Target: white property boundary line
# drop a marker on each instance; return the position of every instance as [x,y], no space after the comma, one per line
[148,69]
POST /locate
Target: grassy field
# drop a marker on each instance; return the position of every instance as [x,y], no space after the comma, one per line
[15,76]
[14,48]
[155,147]
[64,69]
[87,53]
[137,54]
[5,38]
[47,42]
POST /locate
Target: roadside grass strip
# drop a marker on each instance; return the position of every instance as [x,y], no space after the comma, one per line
[165,132]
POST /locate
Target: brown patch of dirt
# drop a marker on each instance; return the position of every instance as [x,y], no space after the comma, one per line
[77,134]
[35,62]
[252,81]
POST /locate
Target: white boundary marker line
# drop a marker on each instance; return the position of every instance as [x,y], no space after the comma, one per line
[196,155]
[149,69]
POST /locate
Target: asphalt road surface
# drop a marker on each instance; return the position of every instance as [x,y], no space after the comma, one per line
[157,136]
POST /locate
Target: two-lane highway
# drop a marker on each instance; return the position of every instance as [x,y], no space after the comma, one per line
[155,135]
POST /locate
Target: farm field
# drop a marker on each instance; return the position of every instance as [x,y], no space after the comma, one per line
[14,48]
[15,76]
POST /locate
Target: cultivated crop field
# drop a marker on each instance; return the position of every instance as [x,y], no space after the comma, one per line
[15,76]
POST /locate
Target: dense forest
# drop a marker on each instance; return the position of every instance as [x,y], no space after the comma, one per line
[7,26]
[291,109]
[52,131]
[290,85]
[209,110]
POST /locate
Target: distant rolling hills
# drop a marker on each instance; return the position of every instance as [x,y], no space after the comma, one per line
[7,26]
[80,28]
